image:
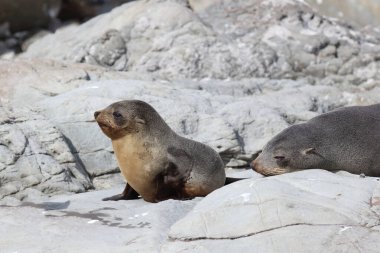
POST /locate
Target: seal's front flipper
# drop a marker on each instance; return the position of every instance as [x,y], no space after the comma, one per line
[128,193]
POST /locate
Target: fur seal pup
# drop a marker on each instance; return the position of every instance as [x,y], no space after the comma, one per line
[157,163]
[344,139]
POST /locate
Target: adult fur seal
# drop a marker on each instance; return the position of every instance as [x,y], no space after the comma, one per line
[157,163]
[345,139]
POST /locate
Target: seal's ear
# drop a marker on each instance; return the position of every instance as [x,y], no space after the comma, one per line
[309,151]
[140,121]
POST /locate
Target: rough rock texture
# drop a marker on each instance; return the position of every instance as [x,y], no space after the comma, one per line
[310,211]
[35,158]
[356,12]
[229,39]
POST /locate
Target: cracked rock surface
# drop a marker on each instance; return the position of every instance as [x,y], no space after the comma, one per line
[313,211]
[35,159]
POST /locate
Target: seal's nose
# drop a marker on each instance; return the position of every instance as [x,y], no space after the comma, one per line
[96,114]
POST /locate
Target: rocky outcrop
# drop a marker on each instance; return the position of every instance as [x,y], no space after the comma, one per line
[227,39]
[35,158]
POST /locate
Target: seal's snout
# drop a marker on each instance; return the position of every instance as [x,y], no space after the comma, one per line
[253,165]
[96,114]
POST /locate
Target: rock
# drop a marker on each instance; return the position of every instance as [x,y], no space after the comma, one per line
[312,209]
[84,222]
[359,13]
[237,163]
[29,81]
[375,199]
[242,173]
[218,40]
[35,154]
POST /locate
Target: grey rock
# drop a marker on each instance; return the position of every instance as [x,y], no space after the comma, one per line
[314,211]
[355,12]
[108,51]
[29,81]
[35,155]
[300,238]
[84,223]
[219,40]
[108,181]
[294,211]
[242,173]
[237,163]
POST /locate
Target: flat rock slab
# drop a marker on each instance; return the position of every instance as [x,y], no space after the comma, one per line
[83,223]
[314,210]
[308,211]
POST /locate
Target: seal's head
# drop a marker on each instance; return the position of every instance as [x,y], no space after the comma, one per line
[122,118]
[295,148]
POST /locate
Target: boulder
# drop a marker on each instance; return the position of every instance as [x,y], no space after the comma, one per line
[219,40]
[313,211]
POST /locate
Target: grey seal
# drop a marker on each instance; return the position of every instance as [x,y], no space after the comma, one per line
[344,139]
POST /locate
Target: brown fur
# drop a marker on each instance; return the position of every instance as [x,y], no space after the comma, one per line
[157,163]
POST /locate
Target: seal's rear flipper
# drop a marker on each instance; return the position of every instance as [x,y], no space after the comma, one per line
[128,193]
[230,180]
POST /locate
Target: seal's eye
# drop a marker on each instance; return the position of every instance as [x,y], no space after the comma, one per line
[281,160]
[117,114]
